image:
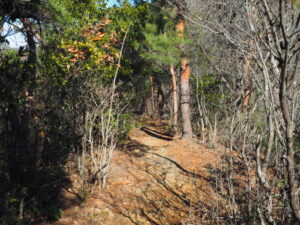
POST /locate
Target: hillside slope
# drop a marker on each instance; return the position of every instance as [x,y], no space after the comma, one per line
[153,180]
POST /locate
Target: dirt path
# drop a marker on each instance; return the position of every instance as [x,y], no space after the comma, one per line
[153,180]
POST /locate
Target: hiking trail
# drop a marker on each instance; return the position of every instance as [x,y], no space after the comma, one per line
[154,179]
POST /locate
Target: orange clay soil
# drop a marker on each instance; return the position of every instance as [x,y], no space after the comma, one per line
[154,179]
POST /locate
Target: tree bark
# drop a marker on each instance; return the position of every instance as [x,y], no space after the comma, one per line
[289,136]
[175,100]
[289,126]
[187,132]
[185,99]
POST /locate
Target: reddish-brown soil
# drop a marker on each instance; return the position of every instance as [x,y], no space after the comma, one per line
[154,179]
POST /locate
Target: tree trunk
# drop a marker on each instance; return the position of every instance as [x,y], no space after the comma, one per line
[246,83]
[289,136]
[175,100]
[29,119]
[187,132]
[152,96]
[185,99]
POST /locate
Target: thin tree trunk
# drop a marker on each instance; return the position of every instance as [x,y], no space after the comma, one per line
[29,120]
[289,136]
[175,100]
[289,126]
[152,96]
[247,83]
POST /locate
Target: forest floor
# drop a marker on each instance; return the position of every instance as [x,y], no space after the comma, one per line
[154,179]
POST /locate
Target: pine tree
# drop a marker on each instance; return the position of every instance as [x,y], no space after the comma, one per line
[185,74]
[162,48]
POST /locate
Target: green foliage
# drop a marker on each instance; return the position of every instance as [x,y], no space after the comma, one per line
[59,12]
[161,43]
[162,48]
[12,81]
[72,12]
[19,176]
[91,49]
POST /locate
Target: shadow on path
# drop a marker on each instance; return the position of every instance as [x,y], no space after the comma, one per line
[156,134]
